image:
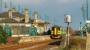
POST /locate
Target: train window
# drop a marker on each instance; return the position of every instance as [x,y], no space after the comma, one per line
[56,28]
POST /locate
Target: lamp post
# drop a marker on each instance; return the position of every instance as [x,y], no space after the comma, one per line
[68,21]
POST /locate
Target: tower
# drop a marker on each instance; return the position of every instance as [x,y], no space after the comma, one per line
[36,17]
[26,14]
[10,13]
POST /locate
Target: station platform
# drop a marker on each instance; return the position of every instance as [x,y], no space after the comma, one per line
[24,39]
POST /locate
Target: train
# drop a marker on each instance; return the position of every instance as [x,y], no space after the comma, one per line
[56,32]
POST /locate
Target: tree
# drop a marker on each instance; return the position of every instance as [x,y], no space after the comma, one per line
[3,36]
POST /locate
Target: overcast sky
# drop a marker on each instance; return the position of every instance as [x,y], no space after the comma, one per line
[54,9]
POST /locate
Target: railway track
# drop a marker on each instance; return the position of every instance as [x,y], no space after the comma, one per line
[23,45]
[49,45]
[29,46]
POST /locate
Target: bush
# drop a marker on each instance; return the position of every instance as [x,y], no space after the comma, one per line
[3,36]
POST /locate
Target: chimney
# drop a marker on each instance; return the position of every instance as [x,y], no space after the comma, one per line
[26,13]
[36,15]
[10,13]
[14,10]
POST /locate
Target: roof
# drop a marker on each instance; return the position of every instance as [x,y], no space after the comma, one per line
[56,26]
[40,22]
[30,21]
[14,14]
[4,15]
[8,21]
[17,18]
[11,20]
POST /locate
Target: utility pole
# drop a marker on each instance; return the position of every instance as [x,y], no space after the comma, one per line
[87,9]
[1,4]
[81,33]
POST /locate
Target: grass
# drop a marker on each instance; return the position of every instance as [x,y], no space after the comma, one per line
[76,43]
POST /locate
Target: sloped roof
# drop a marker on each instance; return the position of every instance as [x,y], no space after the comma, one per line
[14,14]
[40,22]
[17,14]
[8,21]
[30,21]
[56,26]
[4,15]
[11,20]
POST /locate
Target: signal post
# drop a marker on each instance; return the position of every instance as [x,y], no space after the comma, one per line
[68,21]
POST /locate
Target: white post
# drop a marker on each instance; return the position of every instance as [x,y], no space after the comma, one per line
[68,34]
[68,21]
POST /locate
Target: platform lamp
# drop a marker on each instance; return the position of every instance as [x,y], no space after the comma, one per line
[68,21]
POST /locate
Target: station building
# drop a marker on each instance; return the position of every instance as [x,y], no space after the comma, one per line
[19,23]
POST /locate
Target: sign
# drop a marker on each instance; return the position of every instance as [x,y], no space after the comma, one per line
[68,18]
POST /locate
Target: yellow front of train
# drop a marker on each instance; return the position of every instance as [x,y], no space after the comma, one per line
[56,32]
